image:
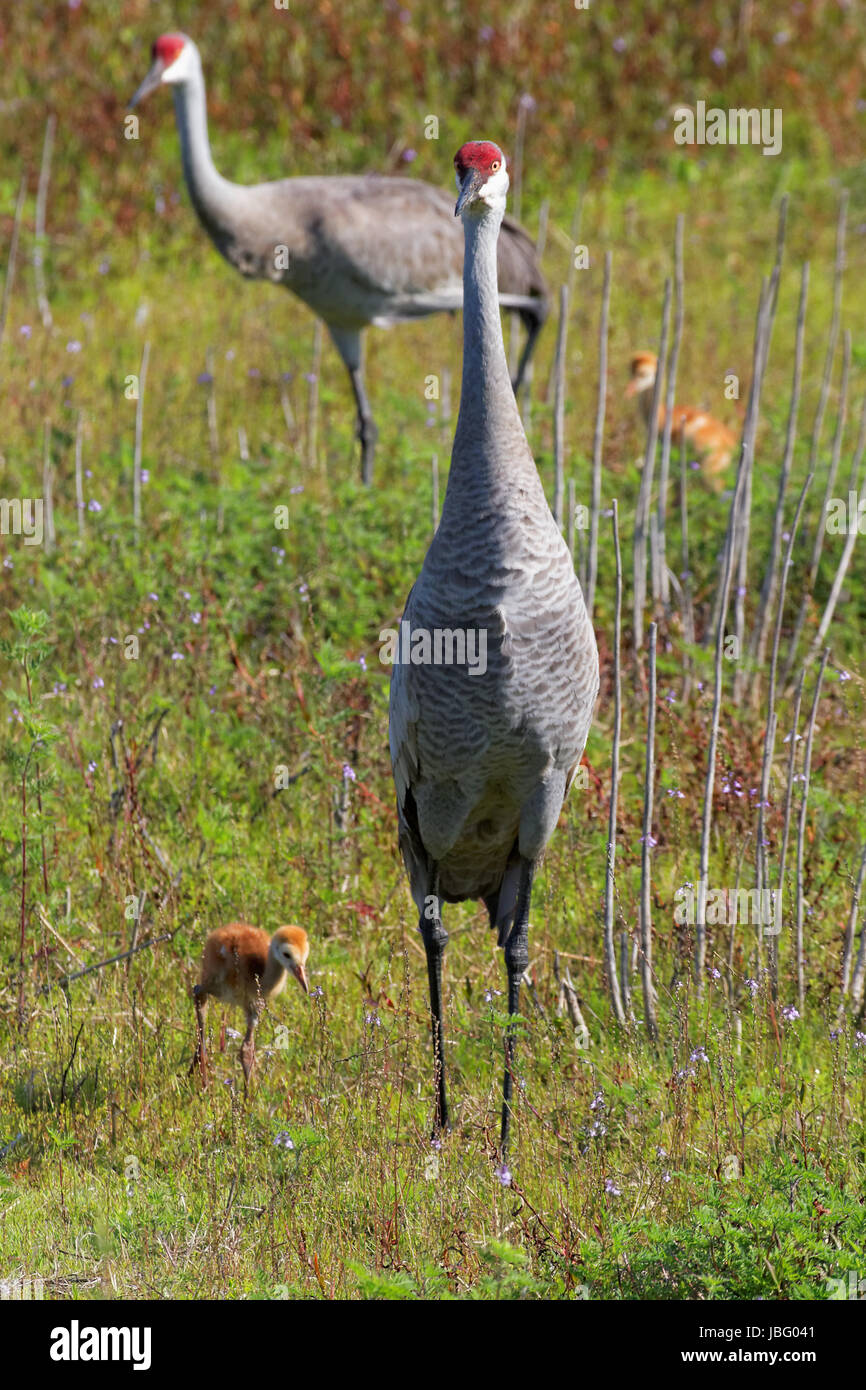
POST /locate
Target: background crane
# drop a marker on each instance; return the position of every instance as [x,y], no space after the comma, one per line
[359,250]
[713,442]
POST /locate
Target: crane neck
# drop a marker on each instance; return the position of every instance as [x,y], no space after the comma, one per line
[275,973]
[489,417]
[208,189]
[645,404]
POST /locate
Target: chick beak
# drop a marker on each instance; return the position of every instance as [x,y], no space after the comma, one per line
[301,977]
[472,181]
[150,83]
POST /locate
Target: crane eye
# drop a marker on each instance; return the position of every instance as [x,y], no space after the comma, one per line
[495,165]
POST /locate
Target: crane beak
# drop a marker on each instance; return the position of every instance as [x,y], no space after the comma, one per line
[301,977]
[469,187]
[150,83]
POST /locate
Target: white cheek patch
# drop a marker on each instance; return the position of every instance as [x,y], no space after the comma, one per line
[496,186]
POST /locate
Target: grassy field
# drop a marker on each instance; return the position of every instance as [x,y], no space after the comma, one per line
[144,782]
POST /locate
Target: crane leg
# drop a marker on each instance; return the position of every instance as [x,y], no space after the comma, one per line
[248,1049]
[435,937]
[533,328]
[516,961]
[199,1057]
[348,344]
[367,431]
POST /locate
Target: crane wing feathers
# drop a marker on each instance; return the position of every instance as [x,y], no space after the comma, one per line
[389,236]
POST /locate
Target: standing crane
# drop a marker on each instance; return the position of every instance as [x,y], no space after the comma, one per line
[711,440]
[483,754]
[359,250]
[243,966]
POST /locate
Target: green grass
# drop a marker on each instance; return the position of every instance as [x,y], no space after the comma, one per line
[735,1177]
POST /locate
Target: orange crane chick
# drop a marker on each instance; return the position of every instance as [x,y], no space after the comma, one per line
[242,965]
[711,440]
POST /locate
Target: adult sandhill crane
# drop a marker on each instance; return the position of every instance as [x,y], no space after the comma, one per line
[242,965]
[358,250]
[712,441]
[484,752]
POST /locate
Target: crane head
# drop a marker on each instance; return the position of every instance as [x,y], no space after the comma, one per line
[173,57]
[643,373]
[291,948]
[482,178]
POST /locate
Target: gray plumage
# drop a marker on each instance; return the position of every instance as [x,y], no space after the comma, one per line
[482,762]
[358,250]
